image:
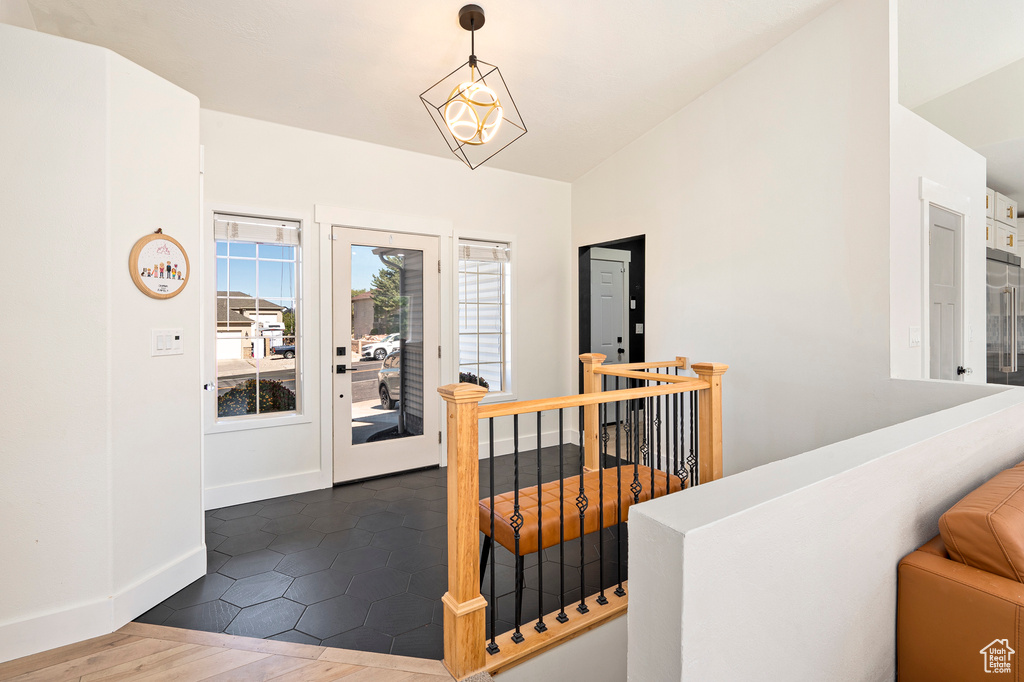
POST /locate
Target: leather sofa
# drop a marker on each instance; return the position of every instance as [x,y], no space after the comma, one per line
[960,605]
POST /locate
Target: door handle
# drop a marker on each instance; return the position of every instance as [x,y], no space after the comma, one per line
[1005,363]
[1013,329]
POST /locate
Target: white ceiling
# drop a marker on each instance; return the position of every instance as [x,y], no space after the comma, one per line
[588,76]
[948,43]
[961,67]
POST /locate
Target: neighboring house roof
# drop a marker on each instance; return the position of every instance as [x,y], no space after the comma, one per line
[225,315]
[230,309]
[363,296]
[242,301]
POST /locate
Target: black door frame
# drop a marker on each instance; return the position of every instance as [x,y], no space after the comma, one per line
[636,247]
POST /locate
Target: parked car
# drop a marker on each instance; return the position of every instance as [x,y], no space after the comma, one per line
[389,381]
[379,349]
[287,352]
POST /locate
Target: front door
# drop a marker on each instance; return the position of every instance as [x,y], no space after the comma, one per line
[945,317]
[609,315]
[385,360]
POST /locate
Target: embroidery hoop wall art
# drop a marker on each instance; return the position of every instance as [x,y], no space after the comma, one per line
[159,266]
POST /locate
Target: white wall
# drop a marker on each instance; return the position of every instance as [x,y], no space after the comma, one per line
[796,560]
[765,205]
[101,494]
[271,168]
[921,150]
[597,655]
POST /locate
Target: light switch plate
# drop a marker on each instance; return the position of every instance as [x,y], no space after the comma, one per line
[639,329]
[168,342]
[915,337]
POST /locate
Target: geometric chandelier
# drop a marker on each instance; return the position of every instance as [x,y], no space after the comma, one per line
[471,106]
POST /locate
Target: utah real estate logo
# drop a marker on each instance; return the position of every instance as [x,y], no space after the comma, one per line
[997,656]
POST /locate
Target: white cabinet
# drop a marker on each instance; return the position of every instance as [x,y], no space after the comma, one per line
[1006,210]
[1006,238]
[990,203]
[990,233]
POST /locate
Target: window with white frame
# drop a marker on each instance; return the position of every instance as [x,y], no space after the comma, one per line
[258,342]
[484,314]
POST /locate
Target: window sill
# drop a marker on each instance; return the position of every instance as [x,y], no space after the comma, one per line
[257,422]
[501,397]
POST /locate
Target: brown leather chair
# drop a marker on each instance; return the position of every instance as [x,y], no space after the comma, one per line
[960,608]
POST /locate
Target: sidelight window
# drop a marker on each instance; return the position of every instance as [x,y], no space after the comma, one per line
[484,314]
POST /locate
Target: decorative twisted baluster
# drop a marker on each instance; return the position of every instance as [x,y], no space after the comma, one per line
[516,521]
[581,504]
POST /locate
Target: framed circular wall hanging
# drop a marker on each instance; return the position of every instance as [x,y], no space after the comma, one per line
[159,266]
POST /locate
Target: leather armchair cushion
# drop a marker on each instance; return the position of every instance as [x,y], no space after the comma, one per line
[986,528]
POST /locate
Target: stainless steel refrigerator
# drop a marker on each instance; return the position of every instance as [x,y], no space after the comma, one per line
[1005,321]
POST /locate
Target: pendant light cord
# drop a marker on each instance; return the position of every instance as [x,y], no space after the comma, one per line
[472,49]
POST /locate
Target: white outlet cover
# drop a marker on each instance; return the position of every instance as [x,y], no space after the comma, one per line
[915,337]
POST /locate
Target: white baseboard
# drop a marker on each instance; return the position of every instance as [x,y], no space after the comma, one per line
[147,592]
[56,628]
[265,489]
[100,616]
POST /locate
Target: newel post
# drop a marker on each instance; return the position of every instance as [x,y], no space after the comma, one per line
[591,384]
[464,629]
[709,410]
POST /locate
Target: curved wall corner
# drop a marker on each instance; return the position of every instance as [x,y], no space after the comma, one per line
[101,492]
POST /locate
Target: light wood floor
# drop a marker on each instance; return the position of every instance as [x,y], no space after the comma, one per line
[160,654]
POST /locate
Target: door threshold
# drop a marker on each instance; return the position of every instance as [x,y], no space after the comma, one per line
[388,475]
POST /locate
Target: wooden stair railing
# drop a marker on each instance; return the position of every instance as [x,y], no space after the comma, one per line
[464,605]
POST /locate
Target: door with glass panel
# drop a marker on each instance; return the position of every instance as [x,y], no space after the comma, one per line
[385,353]
[258,351]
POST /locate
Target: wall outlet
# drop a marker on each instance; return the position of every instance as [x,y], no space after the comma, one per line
[167,342]
[639,329]
[915,337]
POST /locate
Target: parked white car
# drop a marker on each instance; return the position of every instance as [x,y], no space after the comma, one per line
[378,350]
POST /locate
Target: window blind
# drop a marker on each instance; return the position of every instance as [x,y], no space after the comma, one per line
[487,252]
[237,228]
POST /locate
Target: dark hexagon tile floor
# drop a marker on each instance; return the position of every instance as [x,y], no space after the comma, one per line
[363,566]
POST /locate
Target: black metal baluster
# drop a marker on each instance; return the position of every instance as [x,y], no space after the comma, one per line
[540,626]
[561,617]
[493,647]
[657,430]
[517,523]
[581,505]
[601,599]
[619,591]
[677,457]
[635,486]
[651,420]
[625,426]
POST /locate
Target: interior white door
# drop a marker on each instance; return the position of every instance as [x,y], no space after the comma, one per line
[945,317]
[386,409]
[609,315]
